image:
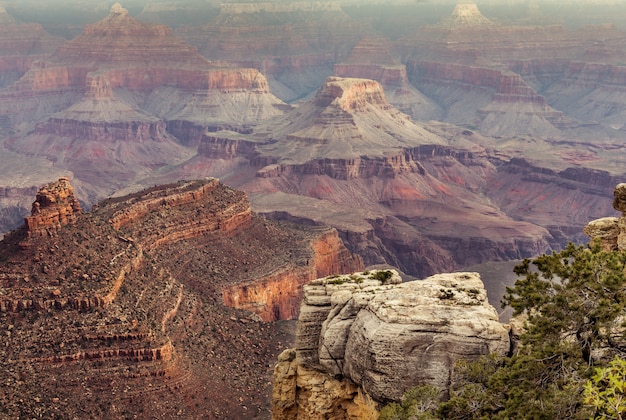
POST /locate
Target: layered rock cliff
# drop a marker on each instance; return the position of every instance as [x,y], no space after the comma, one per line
[371,59]
[379,337]
[99,106]
[500,102]
[349,150]
[294,44]
[122,311]
[21,45]
[55,206]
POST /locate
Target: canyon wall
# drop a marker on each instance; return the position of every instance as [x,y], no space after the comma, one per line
[275,296]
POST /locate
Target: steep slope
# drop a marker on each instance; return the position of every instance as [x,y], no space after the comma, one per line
[120,312]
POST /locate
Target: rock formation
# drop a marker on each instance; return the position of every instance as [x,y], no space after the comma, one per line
[125,105]
[384,337]
[371,59]
[99,105]
[611,231]
[122,312]
[55,206]
[391,186]
[465,14]
[21,45]
[294,44]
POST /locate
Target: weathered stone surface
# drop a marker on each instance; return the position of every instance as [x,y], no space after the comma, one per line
[606,230]
[619,198]
[611,231]
[388,336]
[55,206]
[307,394]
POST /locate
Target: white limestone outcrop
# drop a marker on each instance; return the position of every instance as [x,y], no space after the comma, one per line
[386,336]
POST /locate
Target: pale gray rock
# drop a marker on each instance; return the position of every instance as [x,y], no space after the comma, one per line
[619,198]
[390,337]
[606,229]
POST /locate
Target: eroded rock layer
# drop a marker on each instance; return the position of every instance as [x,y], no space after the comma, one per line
[98,106]
[121,312]
[55,206]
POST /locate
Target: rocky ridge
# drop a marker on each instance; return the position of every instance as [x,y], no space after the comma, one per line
[115,314]
[379,337]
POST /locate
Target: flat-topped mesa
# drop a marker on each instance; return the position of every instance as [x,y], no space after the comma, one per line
[351,94]
[465,15]
[611,231]
[55,206]
[384,336]
[290,7]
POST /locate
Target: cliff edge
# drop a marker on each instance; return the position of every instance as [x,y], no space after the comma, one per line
[366,338]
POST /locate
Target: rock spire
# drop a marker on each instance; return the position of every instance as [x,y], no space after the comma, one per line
[55,206]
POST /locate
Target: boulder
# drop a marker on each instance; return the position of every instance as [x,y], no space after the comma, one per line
[606,230]
[387,336]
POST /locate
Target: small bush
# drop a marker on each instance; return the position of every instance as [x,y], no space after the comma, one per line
[383,276]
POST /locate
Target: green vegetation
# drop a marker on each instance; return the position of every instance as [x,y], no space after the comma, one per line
[383,276]
[606,391]
[573,303]
[417,403]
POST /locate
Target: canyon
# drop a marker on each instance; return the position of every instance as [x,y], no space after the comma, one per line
[462,142]
[323,138]
[133,308]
